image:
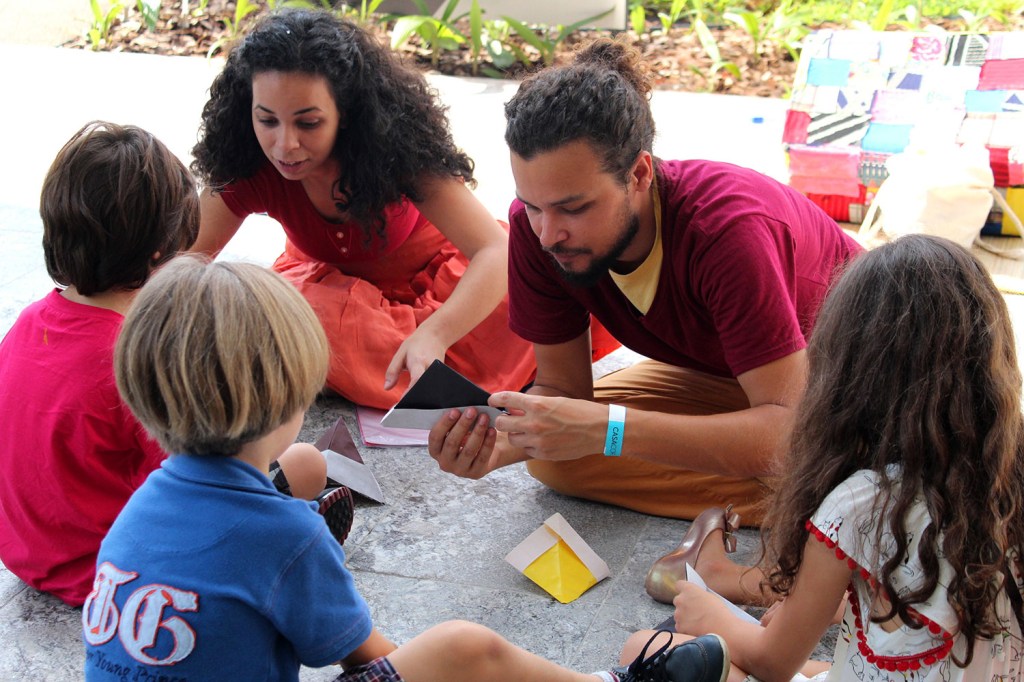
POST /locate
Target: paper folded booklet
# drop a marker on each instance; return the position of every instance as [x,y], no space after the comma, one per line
[555,557]
[439,389]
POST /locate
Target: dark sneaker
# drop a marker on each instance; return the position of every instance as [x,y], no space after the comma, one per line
[704,659]
[337,508]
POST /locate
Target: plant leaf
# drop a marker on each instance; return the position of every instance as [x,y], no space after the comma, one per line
[638,19]
[446,15]
[881,19]
[476,27]
[566,30]
[405,27]
[528,35]
[707,41]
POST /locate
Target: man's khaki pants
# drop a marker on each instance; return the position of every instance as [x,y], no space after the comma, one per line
[655,488]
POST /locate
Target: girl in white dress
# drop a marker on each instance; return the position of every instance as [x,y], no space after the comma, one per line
[904,486]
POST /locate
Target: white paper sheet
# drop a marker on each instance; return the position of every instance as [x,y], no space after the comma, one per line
[694,577]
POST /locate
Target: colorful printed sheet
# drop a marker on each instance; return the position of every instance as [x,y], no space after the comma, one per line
[861,96]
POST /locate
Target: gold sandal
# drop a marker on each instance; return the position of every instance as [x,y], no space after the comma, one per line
[671,568]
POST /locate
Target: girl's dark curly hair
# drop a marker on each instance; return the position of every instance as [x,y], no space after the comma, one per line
[912,363]
[396,131]
[602,97]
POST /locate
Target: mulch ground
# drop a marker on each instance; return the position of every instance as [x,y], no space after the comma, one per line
[677,59]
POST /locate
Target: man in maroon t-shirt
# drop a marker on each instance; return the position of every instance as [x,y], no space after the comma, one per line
[712,271]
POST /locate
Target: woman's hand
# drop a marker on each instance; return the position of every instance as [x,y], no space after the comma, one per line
[415,354]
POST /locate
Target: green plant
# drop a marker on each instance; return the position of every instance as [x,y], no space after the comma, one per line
[973,23]
[476,35]
[243,8]
[501,50]
[150,11]
[364,14]
[710,46]
[668,20]
[881,20]
[102,22]
[437,34]
[638,17]
[783,26]
[548,38]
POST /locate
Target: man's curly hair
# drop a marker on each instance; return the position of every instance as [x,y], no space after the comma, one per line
[395,131]
[601,98]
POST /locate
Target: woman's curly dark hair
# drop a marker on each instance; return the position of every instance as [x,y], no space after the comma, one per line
[912,363]
[396,130]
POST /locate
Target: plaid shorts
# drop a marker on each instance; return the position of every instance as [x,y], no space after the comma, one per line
[377,670]
[277,477]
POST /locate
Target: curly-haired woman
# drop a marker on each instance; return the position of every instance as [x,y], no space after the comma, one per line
[315,123]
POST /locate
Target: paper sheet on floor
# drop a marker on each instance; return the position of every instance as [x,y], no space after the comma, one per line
[374,433]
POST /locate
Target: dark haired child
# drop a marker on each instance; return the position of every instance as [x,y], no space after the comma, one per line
[904,485]
[115,205]
[219,361]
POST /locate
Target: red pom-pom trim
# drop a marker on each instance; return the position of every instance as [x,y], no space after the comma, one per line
[894,663]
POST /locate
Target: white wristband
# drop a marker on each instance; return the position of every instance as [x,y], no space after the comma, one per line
[616,430]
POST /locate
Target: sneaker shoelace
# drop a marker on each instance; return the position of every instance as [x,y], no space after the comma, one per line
[650,668]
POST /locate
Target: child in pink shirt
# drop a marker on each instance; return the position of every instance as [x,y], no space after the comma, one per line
[116,203]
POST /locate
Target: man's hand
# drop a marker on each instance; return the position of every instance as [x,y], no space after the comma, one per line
[463,444]
[551,428]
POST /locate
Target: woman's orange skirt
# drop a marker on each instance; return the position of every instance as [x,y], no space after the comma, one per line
[370,310]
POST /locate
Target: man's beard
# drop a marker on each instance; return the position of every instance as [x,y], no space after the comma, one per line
[599,266]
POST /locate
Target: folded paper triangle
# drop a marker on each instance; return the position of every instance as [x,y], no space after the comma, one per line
[559,571]
[344,464]
[556,558]
[439,389]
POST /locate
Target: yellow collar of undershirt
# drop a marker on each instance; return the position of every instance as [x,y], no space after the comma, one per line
[641,285]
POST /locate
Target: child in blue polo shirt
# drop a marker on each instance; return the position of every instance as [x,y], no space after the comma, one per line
[209,573]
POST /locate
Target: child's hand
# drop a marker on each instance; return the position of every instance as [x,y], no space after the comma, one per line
[770,613]
[698,612]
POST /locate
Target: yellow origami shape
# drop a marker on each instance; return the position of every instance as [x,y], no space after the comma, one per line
[556,558]
[561,573]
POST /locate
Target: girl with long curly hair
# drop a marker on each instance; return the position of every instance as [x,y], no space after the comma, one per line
[315,123]
[904,485]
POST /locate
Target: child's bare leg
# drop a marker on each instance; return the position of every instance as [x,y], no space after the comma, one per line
[739,584]
[458,651]
[306,470]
